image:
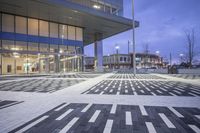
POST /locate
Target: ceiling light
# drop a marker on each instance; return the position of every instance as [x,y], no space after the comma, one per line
[16,55]
[14,48]
[96,6]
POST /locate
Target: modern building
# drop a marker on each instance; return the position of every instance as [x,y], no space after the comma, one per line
[124,61]
[43,36]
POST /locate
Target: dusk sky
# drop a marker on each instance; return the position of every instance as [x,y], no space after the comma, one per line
[162,26]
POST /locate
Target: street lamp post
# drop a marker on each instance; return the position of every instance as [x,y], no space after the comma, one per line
[117,59]
[134,63]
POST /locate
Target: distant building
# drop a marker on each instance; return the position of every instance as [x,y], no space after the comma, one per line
[121,61]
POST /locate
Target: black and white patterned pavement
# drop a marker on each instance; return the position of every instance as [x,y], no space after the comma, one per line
[8,103]
[138,76]
[135,87]
[104,103]
[38,85]
[75,76]
[101,118]
[186,76]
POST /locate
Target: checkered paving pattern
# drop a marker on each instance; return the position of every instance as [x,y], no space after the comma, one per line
[7,103]
[4,79]
[186,76]
[131,71]
[138,76]
[134,87]
[14,77]
[38,85]
[101,118]
[74,76]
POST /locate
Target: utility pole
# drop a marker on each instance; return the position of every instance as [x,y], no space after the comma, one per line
[134,63]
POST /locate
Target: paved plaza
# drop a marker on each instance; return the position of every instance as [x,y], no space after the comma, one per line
[186,76]
[100,103]
[159,88]
[138,76]
[6,103]
[37,85]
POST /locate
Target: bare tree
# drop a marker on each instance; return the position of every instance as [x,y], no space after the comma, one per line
[190,36]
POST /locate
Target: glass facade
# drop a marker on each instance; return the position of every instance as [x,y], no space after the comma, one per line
[114,7]
[29,45]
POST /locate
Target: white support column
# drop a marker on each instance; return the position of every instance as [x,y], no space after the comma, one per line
[46,65]
[57,64]
[98,48]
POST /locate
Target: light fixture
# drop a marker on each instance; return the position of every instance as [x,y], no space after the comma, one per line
[181,55]
[75,11]
[51,56]
[96,6]
[14,48]
[116,47]
[60,51]
[157,52]
[16,55]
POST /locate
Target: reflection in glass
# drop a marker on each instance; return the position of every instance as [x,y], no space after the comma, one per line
[32,26]
[7,23]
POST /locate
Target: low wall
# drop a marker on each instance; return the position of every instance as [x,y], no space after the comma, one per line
[163,71]
[189,71]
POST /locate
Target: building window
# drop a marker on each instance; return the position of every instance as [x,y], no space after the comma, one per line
[32,46]
[71,33]
[6,44]
[63,31]
[63,49]
[107,9]
[20,24]
[7,23]
[121,58]
[32,26]
[71,49]
[44,28]
[78,50]
[79,34]
[21,45]
[53,30]
[124,59]
[44,47]
[53,48]
[0,30]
